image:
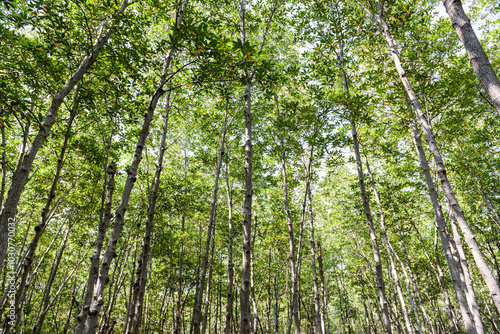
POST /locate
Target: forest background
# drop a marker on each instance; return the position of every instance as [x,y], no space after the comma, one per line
[255,166]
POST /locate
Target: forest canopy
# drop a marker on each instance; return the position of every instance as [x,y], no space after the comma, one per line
[249,166]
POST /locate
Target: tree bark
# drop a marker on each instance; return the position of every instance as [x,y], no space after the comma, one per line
[94,261]
[478,58]
[252,286]
[48,287]
[440,278]
[27,261]
[366,205]
[317,299]
[469,291]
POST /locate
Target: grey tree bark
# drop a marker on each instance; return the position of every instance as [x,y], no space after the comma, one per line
[48,287]
[366,205]
[246,317]
[478,58]
[317,299]
[25,264]
[143,263]
[440,278]
[469,291]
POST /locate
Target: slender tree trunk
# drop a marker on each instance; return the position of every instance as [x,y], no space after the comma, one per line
[246,316]
[4,164]
[441,170]
[252,286]
[230,264]
[469,291]
[291,245]
[209,283]
[276,308]
[440,277]
[376,254]
[211,227]
[176,326]
[94,261]
[317,299]
[143,263]
[115,287]
[441,227]
[25,162]
[363,297]
[389,251]
[324,314]
[478,58]
[48,287]
[412,278]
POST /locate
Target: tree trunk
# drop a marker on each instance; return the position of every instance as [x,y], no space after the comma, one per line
[230,265]
[46,294]
[317,299]
[469,291]
[325,323]
[441,170]
[440,277]
[143,263]
[252,287]
[478,58]
[246,316]
[441,226]
[26,262]
[94,261]
[209,283]
[389,251]
[176,326]
[412,278]
[291,245]
[211,227]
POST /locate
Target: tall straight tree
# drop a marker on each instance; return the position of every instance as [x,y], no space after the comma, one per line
[291,244]
[135,318]
[246,317]
[211,227]
[443,232]
[384,304]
